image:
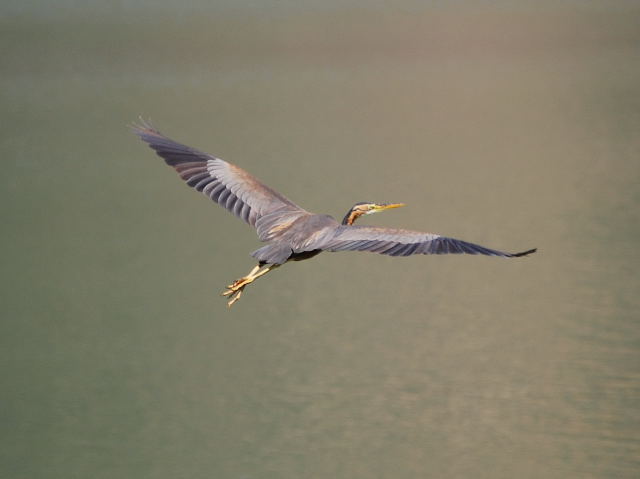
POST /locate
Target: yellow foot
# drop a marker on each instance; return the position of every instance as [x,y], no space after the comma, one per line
[234,290]
[239,283]
[233,293]
[235,297]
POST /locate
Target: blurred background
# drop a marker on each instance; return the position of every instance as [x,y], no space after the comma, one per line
[510,124]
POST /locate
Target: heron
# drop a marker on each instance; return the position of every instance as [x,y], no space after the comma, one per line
[291,232]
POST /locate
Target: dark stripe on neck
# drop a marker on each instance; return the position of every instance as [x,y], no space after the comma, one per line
[349,218]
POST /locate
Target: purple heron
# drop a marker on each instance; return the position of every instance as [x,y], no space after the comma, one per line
[292,233]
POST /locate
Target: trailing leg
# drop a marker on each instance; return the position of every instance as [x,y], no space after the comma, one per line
[234,290]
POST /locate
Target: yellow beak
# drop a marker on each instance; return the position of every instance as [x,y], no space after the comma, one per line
[389,206]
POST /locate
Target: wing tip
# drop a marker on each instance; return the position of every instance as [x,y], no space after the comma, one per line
[143,127]
[523,253]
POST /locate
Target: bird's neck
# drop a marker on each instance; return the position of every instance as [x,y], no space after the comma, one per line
[350,217]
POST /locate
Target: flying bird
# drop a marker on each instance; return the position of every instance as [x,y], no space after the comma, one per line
[291,232]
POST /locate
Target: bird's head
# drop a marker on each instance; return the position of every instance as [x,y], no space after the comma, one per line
[365,208]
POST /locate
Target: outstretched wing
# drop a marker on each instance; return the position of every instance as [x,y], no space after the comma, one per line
[226,184]
[396,242]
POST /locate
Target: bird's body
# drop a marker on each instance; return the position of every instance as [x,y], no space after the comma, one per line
[292,233]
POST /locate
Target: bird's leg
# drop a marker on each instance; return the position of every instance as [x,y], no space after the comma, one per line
[234,291]
[239,282]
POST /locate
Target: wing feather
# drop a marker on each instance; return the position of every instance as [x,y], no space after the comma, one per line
[226,184]
[396,242]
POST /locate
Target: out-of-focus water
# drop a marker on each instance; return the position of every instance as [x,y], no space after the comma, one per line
[513,127]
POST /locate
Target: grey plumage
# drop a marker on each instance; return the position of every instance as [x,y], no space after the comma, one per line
[292,231]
